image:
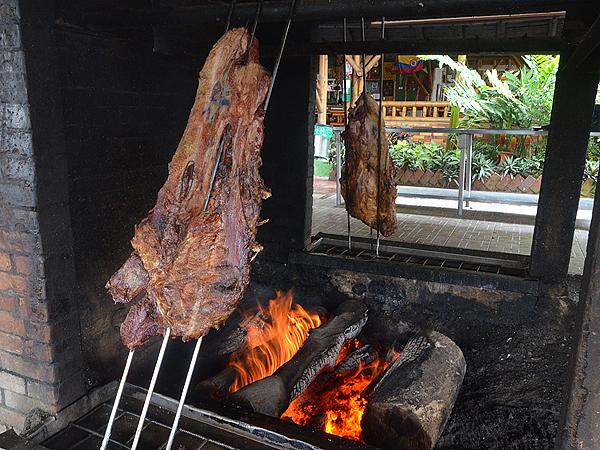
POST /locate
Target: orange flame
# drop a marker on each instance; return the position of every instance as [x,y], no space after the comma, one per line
[273,342]
[340,407]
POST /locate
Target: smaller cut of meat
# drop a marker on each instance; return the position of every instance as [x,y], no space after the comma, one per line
[140,324]
[366,152]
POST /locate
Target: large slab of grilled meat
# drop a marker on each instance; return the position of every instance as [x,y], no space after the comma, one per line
[359,172]
[189,265]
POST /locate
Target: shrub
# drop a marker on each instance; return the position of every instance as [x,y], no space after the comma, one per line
[482,166]
[594,148]
[591,170]
[510,167]
[530,166]
[487,149]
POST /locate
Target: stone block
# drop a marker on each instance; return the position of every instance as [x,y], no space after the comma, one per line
[535,187]
[12,88]
[14,419]
[11,382]
[17,117]
[10,36]
[18,193]
[23,403]
[9,303]
[11,324]
[527,183]
[15,284]
[12,62]
[11,343]
[5,262]
[9,12]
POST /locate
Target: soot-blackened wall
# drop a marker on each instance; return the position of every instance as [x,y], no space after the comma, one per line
[125,108]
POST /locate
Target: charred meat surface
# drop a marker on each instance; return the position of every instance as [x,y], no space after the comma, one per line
[361,167]
[193,260]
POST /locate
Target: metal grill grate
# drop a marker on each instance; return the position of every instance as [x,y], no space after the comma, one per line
[363,249]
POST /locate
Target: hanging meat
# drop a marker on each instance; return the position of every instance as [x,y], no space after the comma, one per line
[360,170]
[191,260]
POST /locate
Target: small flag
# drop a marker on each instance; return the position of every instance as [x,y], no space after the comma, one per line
[409,64]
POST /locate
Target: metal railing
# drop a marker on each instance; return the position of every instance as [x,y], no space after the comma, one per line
[465,143]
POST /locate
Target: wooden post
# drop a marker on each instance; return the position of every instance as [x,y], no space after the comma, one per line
[322,90]
[580,417]
[566,152]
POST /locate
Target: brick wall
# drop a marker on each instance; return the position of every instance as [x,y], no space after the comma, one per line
[40,364]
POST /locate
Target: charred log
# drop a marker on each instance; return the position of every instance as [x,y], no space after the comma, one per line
[272,395]
[410,404]
[357,359]
[218,385]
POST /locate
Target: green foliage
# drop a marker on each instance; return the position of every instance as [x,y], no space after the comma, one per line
[594,148]
[530,166]
[482,166]
[418,156]
[509,167]
[510,100]
[591,170]
[486,148]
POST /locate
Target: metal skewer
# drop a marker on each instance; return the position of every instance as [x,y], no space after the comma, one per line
[115,406]
[186,387]
[364,57]
[230,15]
[192,365]
[259,6]
[364,76]
[345,125]
[280,54]
[161,355]
[379,143]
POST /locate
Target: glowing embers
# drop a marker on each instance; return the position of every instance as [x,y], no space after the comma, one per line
[335,402]
[273,340]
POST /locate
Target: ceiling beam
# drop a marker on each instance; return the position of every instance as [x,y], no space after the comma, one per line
[321,11]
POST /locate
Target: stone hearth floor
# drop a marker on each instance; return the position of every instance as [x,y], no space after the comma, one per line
[438,224]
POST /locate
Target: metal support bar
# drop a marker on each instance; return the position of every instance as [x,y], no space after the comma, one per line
[461,172]
[345,39]
[115,407]
[380,125]
[280,54]
[469,168]
[338,168]
[159,361]
[184,392]
[259,6]
[230,14]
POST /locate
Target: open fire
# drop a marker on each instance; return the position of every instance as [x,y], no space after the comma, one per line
[335,402]
[326,373]
[273,340]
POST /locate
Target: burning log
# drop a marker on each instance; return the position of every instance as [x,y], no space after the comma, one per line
[409,405]
[272,395]
[262,342]
[357,359]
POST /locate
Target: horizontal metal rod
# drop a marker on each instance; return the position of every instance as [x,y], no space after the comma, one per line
[334,10]
[515,131]
[392,249]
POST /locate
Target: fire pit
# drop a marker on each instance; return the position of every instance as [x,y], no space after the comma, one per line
[329,373]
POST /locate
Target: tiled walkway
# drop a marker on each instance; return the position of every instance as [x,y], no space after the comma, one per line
[480,230]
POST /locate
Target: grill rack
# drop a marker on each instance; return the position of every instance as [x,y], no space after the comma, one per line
[430,257]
